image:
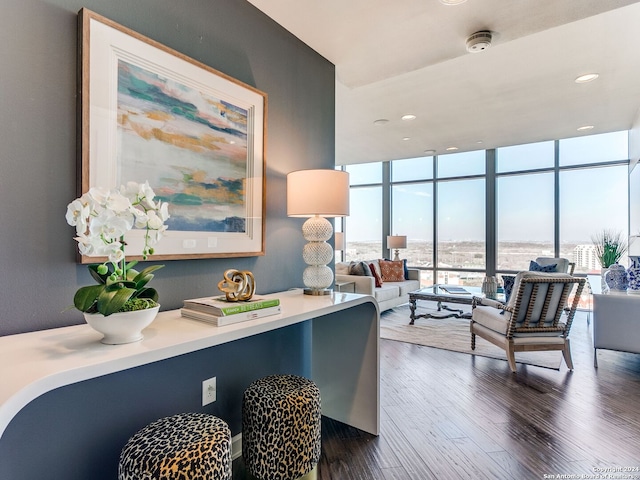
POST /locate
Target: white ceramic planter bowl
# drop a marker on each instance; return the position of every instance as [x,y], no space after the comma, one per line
[123,327]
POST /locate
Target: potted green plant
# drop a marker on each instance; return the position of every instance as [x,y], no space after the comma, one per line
[102,218]
[610,246]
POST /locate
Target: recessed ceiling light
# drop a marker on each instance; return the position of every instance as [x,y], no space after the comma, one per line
[479,142]
[408,116]
[452,2]
[381,121]
[585,127]
[429,152]
[406,138]
[451,149]
[589,77]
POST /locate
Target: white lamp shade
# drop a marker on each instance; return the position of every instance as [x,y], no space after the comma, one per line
[397,241]
[318,192]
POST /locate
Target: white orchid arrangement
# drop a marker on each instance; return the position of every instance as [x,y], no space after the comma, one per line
[102,218]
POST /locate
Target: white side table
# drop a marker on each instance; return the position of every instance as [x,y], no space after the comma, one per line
[348,287]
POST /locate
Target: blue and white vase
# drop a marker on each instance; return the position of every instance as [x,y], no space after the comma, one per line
[616,278]
[634,275]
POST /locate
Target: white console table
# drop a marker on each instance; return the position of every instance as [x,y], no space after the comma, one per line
[616,323]
[344,359]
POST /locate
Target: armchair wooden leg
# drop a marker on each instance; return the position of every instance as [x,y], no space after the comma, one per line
[511,357]
[566,352]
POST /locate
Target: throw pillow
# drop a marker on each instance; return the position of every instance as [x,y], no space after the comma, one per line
[376,275]
[366,269]
[404,267]
[536,267]
[376,266]
[507,281]
[356,269]
[391,271]
[406,270]
[360,269]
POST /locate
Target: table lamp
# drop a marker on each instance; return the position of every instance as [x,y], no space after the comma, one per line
[317,194]
[396,242]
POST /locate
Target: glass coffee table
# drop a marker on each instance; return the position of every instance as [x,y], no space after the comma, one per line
[443,294]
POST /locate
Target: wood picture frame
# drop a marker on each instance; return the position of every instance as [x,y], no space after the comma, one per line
[149,113]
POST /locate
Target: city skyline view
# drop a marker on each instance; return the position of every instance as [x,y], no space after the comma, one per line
[550,194]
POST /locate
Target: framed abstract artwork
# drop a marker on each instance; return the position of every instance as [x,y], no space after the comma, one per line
[149,113]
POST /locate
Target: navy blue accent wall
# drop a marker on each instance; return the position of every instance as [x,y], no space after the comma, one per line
[69,434]
[38,271]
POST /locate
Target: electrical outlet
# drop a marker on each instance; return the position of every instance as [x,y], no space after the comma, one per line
[208,391]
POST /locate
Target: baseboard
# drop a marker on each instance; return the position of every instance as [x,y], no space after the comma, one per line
[236,446]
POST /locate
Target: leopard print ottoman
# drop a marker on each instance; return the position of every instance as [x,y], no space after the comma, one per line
[188,446]
[281,427]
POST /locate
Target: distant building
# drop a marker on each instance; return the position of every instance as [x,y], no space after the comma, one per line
[585,257]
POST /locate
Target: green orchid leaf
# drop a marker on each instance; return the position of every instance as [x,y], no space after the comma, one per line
[85,297]
[111,300]
[93,270]
[149,293]
[145,276]
[132,274]
[132,264]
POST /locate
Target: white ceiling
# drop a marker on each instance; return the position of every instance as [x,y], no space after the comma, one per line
[409,56]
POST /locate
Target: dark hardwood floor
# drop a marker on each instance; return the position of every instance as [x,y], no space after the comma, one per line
[448,415]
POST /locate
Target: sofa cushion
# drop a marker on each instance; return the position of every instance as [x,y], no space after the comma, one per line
[491,318]
[392,271]
[342,268]
[408,286]
[388,291]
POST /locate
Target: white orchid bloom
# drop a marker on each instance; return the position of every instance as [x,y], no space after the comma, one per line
[141,218]
[130,190]
[146,190]
[110,226]
[155,222]
[117,202]
[154,236]
[116,255]
[78,215]
[92,245]
[97,195]
[164,211]
[102,218]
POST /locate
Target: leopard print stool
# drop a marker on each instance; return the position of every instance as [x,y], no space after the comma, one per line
[281,427]
[187,446]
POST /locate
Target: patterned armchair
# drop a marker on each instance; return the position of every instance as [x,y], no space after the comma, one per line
[530,321]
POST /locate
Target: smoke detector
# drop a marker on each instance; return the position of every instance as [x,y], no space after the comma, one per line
[479,41]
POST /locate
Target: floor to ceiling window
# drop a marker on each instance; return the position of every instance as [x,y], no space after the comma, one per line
[594,194]
[525,204]
[364,225]
[412,211]
[469,214]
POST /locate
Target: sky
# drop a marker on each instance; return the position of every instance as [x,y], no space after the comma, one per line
[591,199]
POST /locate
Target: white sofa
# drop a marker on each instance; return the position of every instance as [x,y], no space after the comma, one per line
[389,295]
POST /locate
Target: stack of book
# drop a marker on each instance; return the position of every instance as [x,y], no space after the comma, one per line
[219,311]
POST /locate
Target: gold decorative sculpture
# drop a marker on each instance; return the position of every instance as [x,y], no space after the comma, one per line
[237,285]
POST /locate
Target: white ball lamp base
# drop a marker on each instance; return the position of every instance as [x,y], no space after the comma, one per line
[317,277]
